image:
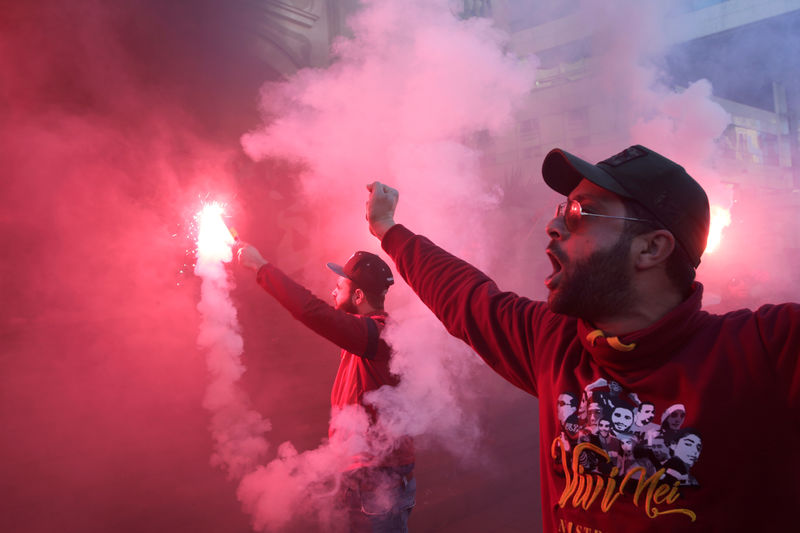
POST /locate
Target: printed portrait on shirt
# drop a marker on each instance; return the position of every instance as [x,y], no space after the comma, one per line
[568,413]
[636,435]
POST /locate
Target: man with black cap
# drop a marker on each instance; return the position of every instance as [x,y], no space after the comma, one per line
[623,307]
[377,493]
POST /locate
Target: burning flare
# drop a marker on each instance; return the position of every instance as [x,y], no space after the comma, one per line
[214,239]
[720,219]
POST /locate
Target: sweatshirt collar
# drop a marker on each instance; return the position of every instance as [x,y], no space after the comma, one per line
[645,347]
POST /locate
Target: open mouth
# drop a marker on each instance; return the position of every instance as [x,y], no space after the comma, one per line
[551,281]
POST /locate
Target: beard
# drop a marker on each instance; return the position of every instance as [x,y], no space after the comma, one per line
[596,287]
[348,307]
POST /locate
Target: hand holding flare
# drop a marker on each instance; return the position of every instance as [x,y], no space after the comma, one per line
[250,257]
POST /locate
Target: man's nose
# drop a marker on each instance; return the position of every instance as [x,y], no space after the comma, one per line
[555,228]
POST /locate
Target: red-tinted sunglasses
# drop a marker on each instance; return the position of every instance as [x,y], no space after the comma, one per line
[572,212]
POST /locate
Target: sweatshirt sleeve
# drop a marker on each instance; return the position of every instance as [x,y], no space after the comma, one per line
[779,327]
[498,325]
[355,333]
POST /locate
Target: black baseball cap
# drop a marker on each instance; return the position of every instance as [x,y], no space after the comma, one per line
[368,271]
[659,184]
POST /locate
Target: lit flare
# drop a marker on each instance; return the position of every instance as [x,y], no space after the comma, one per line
[214,239]
[720,219]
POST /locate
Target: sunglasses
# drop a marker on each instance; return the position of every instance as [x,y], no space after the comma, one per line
[572,212]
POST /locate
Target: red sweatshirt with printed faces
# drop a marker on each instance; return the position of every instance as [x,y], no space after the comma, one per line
[692,424]
[364,358]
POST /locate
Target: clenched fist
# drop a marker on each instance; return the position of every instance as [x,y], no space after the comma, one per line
[380,208]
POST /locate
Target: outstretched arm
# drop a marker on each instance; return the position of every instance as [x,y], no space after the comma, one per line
[500,326]
[354,333]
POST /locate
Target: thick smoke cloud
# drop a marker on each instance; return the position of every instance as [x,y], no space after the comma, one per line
[238,430]
[395,104]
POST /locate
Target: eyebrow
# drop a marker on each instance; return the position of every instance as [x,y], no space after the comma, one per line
[593,201]
[593,198]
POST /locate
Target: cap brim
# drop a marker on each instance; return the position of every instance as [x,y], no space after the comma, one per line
[563,171]
[337,269]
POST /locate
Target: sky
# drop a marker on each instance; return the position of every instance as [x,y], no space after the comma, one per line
[120,119]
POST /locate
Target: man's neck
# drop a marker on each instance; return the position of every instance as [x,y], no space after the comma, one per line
[366,309]
[646,311]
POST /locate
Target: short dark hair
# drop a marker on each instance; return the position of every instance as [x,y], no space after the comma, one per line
[376,300]
[679,267]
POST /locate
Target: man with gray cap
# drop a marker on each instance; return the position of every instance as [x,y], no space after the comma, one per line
[623,307]
[377,492]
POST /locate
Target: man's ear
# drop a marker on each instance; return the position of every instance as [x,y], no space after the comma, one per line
[652,248]
[359,296]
